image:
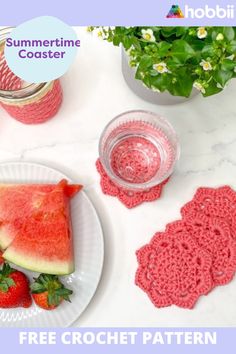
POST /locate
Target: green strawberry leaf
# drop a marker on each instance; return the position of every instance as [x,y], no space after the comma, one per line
[222,76]
[63,292]
[228,64]
[9,282]
[145,62]
[3,287]
[232,46]
[6,270]
[182,50]
[228,32]
[5,281]
[52,284]
[208,50]
[212,89]
[163,48]
[37,288]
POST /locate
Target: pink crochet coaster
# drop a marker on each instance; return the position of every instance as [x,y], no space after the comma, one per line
[173,270]
[219,202]
[175,267]
[129,198]
[212,235]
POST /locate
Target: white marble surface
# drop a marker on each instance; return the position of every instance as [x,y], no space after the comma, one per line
[95,92]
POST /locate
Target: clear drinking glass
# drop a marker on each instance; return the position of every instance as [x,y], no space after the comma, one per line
[138,150]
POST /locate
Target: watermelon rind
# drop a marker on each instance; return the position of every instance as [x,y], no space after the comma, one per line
[38,265]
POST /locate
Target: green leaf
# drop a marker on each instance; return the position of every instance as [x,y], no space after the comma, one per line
[5,280]
[181,87]
[51,300]
[168,31]
[212,89]
[228,33]
[160,82]
[232,47]
[181,31]
[63,292]
[153,72]
[127,42]
[136,43]
[52,284]
[116,40]
[3,287]
[138,74]
[67,298]
[208,50]
[196,44]
[163,48]
[9,282]
[145,62]
[37,288]
[222,76]
[6,270]
[228,64]
[182,50]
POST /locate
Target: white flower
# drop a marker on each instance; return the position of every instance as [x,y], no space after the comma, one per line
[161,68]
[148,35]
[201,32]
[206,65]
[199,86]
[220,37]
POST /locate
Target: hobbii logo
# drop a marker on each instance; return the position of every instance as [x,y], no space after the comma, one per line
[210,12]
[200,12]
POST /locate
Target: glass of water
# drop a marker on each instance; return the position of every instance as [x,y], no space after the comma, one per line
[138,150]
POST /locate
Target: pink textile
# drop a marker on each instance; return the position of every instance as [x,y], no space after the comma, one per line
[129,198]
[39,110]
[192,255]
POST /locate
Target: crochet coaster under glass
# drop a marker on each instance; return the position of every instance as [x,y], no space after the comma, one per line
[129,198]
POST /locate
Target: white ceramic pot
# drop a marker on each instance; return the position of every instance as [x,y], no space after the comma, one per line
[162,98]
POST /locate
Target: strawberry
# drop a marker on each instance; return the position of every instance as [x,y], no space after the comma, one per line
[48,292]
[1,258]
[14,288]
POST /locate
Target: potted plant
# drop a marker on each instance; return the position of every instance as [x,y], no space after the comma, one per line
[174,61]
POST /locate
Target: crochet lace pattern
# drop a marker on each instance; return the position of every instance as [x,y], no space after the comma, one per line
[212,235]
[173,270]
[192,255]
[209,202]
[34,111]
[130,199]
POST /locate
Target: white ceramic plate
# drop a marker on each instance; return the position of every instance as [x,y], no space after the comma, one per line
[88,249]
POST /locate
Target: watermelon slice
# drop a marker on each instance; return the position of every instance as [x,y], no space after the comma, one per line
[16,203]
[35,228]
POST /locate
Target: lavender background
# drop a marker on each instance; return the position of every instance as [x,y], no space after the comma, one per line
[107,12]
[225,339]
